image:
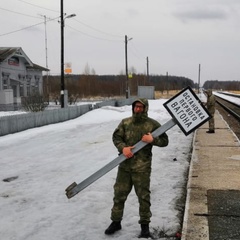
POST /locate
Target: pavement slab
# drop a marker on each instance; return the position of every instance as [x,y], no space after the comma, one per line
[224,214]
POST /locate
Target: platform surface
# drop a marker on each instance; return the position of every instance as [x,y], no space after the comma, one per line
[213,192]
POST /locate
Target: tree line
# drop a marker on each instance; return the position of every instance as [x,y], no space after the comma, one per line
[86,86]
[222,85]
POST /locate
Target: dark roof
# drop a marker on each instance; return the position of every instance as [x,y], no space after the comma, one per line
[35,66]
[7,52]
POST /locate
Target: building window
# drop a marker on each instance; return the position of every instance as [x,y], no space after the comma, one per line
[28,77]
[21,90]
[13,61]
[28,90]
[5,85]
[5,77]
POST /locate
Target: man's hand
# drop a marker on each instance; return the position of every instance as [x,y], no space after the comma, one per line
[147,138]
[127,152]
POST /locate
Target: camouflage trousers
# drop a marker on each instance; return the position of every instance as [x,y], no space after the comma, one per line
[211,122]
[123,186]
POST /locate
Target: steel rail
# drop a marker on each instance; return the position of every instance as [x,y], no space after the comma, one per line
[230,107]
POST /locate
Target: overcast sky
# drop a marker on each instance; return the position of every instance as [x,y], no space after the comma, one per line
[175,35]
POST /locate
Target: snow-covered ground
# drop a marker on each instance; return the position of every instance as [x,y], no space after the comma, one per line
[51,106]
[46,160]
[9,113]
[230,98]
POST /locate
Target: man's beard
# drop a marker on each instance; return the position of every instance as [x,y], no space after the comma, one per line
[138,117]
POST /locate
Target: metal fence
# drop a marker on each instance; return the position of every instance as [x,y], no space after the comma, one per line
[20,122]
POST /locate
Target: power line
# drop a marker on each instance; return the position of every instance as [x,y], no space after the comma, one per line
[4,34]
[97,29]
[55,18]
[86,34]
[19,13]
[135,51]
[92,35]
[52,20]
[68,26]
[21,29]
[74,19]
[39,6]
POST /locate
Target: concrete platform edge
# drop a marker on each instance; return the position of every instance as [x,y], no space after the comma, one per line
[186,212]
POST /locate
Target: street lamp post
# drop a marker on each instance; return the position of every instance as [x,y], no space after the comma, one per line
[126,61]
[62,53]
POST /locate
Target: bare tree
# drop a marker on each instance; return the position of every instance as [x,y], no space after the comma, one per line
[93,72]
[34,103]
[132,70]
[86,70]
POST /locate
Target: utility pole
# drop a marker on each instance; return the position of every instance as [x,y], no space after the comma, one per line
[46,55]
[46,49]
[147,70]
[46,52]
[167,84]
[62,57]
[62,54]
[126,61]
[199,70]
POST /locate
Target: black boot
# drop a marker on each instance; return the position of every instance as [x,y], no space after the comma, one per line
[210,131]
[145,233]
[113,227]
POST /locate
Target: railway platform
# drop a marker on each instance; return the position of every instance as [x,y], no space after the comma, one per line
[212,209]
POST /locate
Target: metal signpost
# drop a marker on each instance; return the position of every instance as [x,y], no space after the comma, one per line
[187,111]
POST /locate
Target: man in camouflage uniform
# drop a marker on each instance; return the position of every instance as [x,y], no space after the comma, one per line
[136,170]
[211,109]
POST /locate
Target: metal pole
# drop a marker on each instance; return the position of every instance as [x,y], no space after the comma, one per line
[126,61]
[167,84]
[75,188]
[46,51]
[199,69]
[147,70]
[62,57]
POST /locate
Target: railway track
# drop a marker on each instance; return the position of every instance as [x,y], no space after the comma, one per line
[229,105]
[230,111]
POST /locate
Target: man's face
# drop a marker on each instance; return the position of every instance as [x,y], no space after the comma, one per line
[138,107]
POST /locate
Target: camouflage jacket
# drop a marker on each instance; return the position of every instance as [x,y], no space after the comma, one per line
[210,101]
[130,131]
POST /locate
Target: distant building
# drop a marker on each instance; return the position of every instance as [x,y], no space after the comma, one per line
[19,77]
